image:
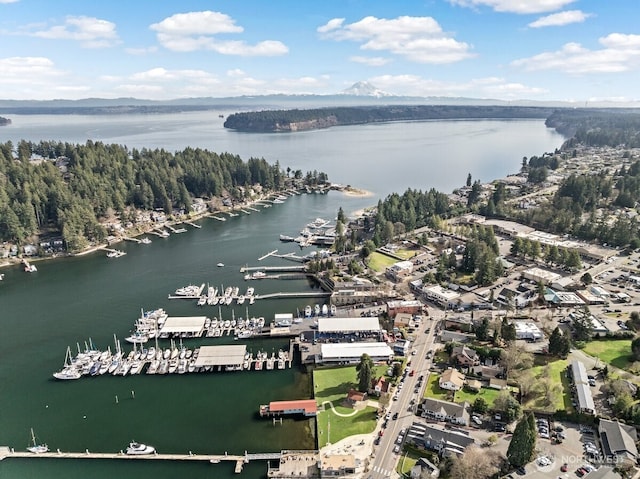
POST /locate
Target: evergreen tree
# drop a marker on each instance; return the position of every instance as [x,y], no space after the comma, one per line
[508,330]
[482,331]
[559,344]
[364,372]
[523,442]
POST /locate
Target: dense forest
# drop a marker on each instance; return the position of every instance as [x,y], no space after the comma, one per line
[598,127]
[69,188]
[290,120]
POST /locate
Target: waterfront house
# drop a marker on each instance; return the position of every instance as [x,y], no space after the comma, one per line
[451,380]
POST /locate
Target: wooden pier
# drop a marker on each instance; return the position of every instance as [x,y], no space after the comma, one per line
[267,255]
[285,269]
[195,225]
[219,218]
[135,240]
[239,460]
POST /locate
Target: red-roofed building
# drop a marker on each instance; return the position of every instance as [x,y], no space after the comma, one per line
[306,407]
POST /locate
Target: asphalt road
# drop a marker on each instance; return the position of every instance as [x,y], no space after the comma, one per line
[384,459]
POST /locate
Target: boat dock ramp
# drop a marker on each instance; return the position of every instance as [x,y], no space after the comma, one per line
[266,255]
[195,225]
[286,269]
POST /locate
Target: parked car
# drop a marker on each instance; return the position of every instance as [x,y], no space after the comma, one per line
[476,420]
[395,416]
[396,449]
[564,467]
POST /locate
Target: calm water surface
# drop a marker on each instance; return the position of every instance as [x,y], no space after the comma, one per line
[70,300]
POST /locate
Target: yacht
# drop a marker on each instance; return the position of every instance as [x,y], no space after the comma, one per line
[220,265]
[145,240]
[333,310]
[137,338]
[325,310]
[250,291]
[240,299]
[244,334]
[307,311]
[316,309]
[69,372]
[138,449]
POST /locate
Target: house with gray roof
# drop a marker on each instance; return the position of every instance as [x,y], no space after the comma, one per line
[446,441]
[438,410]
[618,441]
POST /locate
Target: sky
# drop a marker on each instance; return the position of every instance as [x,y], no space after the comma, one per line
[544,50]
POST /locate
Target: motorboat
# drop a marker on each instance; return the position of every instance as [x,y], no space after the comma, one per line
[137,338]
[35,447]
[307,311]
[333,310]
[220,265]
[145,240]
[139,449]
[316,309]
[325,310]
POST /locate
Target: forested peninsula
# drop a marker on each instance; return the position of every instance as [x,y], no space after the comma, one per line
[273,121]
[4,121]
[73,190]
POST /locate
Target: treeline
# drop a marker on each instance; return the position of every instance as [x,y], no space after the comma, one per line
[397,214]
[4,121]
[574,208]
[73,186]
[280,120]
[598,127]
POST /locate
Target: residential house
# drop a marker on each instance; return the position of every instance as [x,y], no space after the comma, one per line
[355,398]
[424,469]
[438,410]
[465,356]
[445,440]
[379,386]
[618,441]
[451,380]
[488,372]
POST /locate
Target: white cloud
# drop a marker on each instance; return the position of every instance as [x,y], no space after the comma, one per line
[560,19]
[187,32]
[515,6]
[27,70]
[9,1]
[621,53]
[141,50]
[371,61]
[89,31]
[488,87]
[235,72]
[418,39]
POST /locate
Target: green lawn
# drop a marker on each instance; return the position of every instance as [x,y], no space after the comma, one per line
[433,389]
[378,262]
[615,352]
[333,428]
[406,253]
[488,394]
[333,385]
[556,373]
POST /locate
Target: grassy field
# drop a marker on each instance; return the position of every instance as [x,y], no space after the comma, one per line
[332,428]
[333,385]
[406,253]
[488,394]
[433,389]
[615,352]
[556,373]
[379,262]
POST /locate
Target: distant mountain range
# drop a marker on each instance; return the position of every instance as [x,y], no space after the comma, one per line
[359,94]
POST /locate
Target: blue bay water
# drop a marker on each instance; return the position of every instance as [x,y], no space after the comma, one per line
[69,300]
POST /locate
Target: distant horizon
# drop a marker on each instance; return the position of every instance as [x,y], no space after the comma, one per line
[568,51]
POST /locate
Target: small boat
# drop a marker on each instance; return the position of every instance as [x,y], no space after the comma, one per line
[316,309]
[145,240]
[137,338]
[333,310]
[220,265]
[307,311]
[138,449]
[35,447]
[325,310]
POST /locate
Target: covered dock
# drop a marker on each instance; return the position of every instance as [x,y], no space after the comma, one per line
[231,356]
[183,326]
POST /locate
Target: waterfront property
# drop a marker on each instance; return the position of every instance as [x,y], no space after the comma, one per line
[305,407]
[350,353]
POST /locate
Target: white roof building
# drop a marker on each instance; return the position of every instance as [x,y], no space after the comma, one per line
[527,330]
[229,355]
[192,326]
[440,295]
[351,352]
[540,275]
[348,325]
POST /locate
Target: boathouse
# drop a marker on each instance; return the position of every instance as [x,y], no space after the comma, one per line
[306,407]
[183,327]
[227,356]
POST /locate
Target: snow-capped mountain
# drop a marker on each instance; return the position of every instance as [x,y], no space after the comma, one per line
[363,88]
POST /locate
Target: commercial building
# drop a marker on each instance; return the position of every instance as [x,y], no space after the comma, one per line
[350,353]
[539,275]
[618,441]
[527,331]
[582,389]
[403,306]
[439,295]
[438,410]
[445,441]
[305,407]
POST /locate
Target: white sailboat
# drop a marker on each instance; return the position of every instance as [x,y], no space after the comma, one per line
[35,447]
[68,370]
